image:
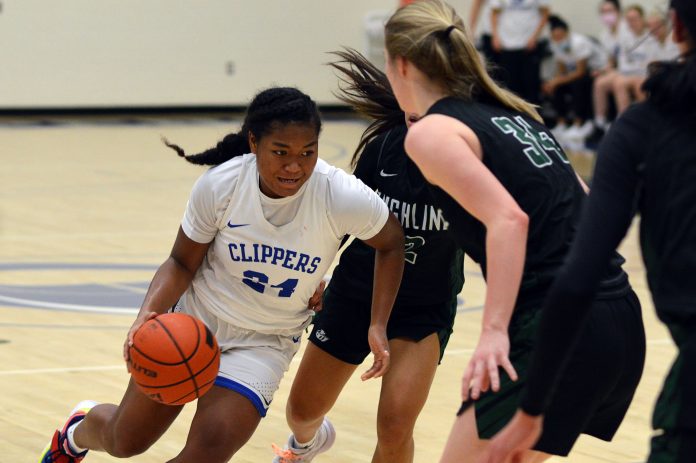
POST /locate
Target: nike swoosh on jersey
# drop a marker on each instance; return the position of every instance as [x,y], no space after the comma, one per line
[232,225]
[384,174]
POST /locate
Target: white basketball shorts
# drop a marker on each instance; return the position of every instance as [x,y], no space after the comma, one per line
[251,363]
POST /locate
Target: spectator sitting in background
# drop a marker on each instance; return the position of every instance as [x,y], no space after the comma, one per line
[614,27]
[657,47]
[570,90]
[633,62]
[664,49]
[633,59]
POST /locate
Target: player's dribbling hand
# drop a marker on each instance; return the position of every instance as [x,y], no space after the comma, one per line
[315,302]
[142,318]
[377,338]
[520,434]
[482,372]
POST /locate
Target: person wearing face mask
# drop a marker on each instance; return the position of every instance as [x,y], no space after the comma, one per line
[613,28]
[610,16]
[577,57]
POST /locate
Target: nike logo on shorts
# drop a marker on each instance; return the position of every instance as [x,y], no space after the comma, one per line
[384,174]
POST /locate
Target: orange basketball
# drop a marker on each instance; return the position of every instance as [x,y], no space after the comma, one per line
[174,358]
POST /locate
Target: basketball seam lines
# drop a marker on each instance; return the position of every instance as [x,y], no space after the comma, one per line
[185,359]
[176,344]
[212,360]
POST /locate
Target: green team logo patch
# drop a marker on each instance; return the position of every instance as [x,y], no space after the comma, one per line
[538,145]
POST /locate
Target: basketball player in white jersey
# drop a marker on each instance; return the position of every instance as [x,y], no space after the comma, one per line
[260,230]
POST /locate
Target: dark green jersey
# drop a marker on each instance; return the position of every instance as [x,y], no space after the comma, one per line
[529,163]
[433,272]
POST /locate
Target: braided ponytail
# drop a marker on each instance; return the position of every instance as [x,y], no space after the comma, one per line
[269,109]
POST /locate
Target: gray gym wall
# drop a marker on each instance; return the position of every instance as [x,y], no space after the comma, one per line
[177,53]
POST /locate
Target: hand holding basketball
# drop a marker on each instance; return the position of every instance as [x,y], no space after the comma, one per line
[142,318]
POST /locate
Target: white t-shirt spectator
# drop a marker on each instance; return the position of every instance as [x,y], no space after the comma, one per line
[517,21]
[666,51]
[611,41]
[635,53]
[577,48]
[484,23]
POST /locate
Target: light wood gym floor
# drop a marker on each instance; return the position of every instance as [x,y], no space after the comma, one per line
[89,209]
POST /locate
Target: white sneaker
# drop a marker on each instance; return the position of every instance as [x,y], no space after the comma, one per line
[575,138]
[585,130]
[559,131]
[326,435]
[575,146]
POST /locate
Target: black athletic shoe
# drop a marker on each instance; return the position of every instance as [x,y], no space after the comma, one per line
[595,138]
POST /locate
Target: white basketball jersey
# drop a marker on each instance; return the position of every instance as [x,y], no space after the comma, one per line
[259,276]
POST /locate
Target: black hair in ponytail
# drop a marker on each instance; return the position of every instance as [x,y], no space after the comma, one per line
[366,89]
[672,85]
[269,109]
